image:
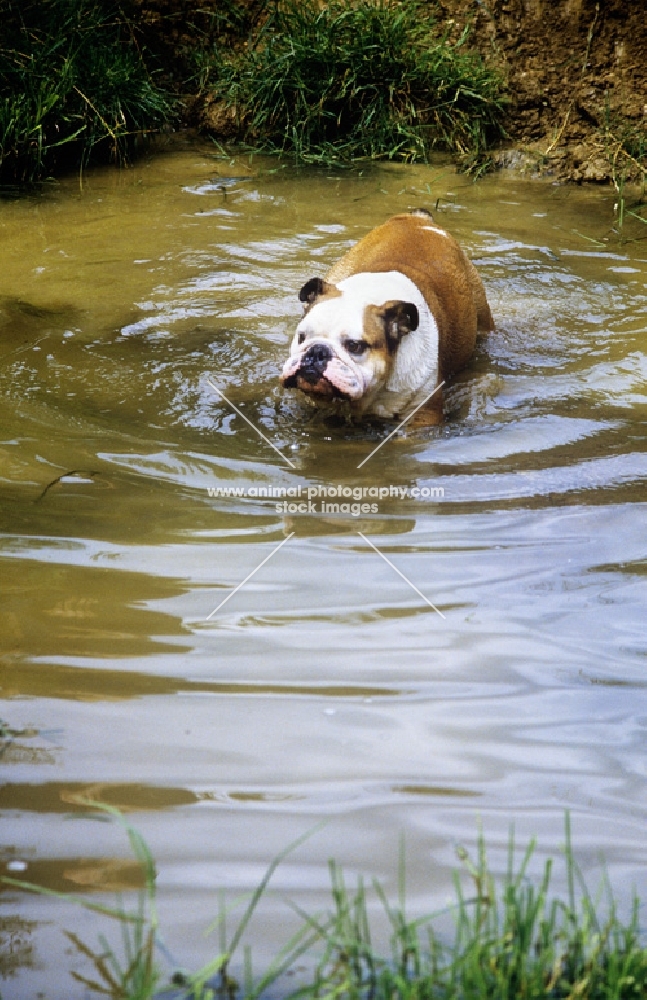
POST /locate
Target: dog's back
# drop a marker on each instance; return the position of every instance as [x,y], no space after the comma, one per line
[414,245]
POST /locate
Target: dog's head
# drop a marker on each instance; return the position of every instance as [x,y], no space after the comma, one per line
[345,345]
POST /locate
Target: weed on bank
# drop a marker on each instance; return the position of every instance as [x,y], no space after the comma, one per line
[349,80]
[323,83]
[73,82]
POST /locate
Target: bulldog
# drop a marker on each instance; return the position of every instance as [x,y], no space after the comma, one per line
[391,321]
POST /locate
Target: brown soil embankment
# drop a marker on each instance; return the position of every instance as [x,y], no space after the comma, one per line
[577,77]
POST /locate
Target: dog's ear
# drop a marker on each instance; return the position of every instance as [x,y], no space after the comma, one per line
[313,289]
[399,318]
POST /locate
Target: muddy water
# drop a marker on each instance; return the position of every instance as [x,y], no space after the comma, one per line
[510,686]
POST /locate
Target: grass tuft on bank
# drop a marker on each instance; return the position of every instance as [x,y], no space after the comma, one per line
[512,938]
[73,83]
[358,79]
[624,146]
[332,83]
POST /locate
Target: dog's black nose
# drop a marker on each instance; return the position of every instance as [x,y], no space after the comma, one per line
[318,356]
[314,362]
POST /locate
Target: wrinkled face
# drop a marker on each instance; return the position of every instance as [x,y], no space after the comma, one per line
[344,346]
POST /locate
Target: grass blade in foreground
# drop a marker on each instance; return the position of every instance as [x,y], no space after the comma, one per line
[512,939]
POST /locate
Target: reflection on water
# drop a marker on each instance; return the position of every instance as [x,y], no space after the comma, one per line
[326,686]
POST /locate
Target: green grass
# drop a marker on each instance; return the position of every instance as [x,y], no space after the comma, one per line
[360,79]
[624,144]
[73,82]
[347,80]
[512,938]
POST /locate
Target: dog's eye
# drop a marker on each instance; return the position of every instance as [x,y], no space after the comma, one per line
[302,337]
[356,346]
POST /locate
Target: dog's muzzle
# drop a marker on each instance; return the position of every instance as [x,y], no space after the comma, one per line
[307,370]
[320,373]
[314,362]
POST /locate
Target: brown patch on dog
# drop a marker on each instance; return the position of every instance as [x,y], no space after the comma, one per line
[375,337]
[386,325]
[317,288]
[399,318]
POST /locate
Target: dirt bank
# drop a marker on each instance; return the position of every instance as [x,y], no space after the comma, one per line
[577,79]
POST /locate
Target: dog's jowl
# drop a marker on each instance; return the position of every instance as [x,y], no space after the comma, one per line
[396,316]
